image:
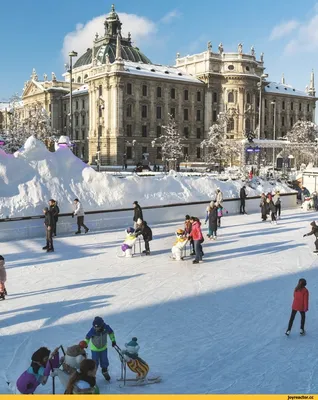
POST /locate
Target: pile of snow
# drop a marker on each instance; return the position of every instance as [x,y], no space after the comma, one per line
[33,175]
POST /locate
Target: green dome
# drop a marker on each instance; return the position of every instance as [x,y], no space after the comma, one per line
[128,52]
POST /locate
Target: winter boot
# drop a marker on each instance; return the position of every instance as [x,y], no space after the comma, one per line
[287,332]
[195,262]
[147,253]
[45,247]
[5,292]
[50,250]
[77,232]
[192,253]
[106,374]
[302,332]
[86,230]
[2,296]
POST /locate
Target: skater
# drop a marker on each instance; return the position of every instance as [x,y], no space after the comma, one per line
[196,235]
[54,208]
[146,232]
[97,337]
[220,211]
[212,217]
[3,278]
[187,229]
[272,209]
[219,197]
[179,245]
[137,213]
[243,196]
[71,363]
[300,303]
[314,231]
[49,226]
[315,200]
[129,243]
[84,381]
[134,362]
[79,213]
[39,371]
[264,207]
[277,204]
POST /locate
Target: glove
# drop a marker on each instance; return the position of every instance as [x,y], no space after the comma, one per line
[114,344]
[305,235]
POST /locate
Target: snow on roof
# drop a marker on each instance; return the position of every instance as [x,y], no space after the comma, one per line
[273,87]
[81,90]
[159,71]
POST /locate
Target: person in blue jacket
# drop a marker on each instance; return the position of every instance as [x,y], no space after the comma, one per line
[97,337]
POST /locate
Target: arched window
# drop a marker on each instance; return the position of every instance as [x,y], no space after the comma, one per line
[247,124]
[248,98]
[86,76]
[230,97]
[79,79]
[230,125]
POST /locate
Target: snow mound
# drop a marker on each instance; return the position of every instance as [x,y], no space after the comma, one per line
[33,175]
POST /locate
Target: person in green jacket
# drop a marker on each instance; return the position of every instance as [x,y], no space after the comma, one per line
[97,337]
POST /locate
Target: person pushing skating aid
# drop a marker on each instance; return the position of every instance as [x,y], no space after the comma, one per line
[97,337]
[314,231]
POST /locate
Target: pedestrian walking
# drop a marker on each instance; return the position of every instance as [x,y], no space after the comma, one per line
[146,232]
[137,213]
[54,208]
[277,203]
[243,196]
[196,235]
[49,225]
[212,218]
[3,279]
[314,231]
[219,197]
[300,303]
[79,213]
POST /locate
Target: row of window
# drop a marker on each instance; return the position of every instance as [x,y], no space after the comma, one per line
[76,120]
[159,131]
[300,106]
[173,92]
[77,103]
[80,135]
[159,113]
[144,150]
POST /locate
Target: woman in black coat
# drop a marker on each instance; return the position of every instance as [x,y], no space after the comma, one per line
[146,232]
[264,207]
[137,213]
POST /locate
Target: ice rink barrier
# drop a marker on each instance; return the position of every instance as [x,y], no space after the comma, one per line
[32,226]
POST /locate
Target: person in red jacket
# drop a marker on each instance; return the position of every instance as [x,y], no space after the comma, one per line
[300,303]
[196,235]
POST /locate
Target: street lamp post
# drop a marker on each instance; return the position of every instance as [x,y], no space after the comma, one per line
[71,55]
[260,85]
[274,132]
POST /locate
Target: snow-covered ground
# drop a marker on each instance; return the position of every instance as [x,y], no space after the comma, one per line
[33,175]
[216,327]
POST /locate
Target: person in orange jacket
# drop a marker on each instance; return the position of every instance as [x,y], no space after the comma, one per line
[300,303]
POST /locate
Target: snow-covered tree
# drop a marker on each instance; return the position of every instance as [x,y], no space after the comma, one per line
[37,122]
[219,148]
[171,147]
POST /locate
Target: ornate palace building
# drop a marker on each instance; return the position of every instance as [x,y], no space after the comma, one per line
[121,100]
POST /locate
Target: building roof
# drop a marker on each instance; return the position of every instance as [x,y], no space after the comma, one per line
[280,88]
[81,90]
[159,71]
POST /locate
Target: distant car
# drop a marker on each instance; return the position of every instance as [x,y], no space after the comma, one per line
[141,168]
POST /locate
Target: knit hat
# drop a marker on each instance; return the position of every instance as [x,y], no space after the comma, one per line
[135,202]
[132,346]
[1,258]
[75,351]
[40,354]
[187,216]
[130,230]
[98,322]
[139,221]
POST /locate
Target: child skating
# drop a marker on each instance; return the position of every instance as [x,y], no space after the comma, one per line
[300,303]
[97,337]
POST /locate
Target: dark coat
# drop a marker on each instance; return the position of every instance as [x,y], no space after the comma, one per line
[213,218]
[137,213]
[264,208]
[55,211]
[49,219]
[145,231]
[243,194]
[271,206]
[314,231]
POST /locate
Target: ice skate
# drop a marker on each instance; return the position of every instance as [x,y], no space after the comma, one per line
[2,296]
[302,332]
[78,232]
[45,248]
[106,374]
[86,230]
[287,332]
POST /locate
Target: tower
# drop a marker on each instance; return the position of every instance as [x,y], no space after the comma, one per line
[312,90]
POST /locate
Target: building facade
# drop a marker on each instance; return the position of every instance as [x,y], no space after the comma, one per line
[121,101]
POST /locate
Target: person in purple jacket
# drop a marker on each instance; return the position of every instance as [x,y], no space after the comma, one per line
[39,370]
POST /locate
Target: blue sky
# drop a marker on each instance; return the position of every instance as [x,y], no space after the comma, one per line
[38,33]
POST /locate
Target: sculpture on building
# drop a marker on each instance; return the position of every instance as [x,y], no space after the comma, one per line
[253,51]
[262,57]
[96,36]
[221,48]
[34,75]
[178,55]
[53,77]
[45,77]
[209,46]
[240,48]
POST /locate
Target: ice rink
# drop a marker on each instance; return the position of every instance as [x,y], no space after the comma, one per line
[215,327]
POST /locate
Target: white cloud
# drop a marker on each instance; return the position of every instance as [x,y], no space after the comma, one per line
[170,16]
[82,37]
[306,38]
[284,29]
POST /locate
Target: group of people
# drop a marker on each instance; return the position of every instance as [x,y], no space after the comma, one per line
[271,205]
[51,215]
[74,369]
